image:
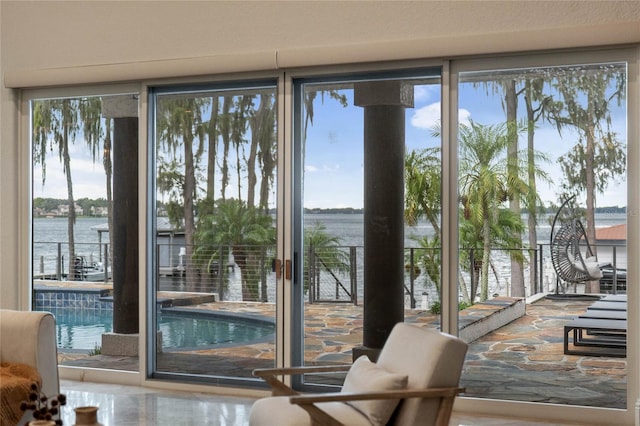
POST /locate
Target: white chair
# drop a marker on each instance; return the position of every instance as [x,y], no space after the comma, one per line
[30,338]
[414,382]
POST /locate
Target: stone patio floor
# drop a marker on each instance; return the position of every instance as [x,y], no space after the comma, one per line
[521,361]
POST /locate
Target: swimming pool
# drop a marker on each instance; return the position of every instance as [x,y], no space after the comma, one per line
[82,329]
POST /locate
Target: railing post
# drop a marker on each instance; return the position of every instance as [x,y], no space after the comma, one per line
[541,266]
[353,274]
[222,267]
[263,275]
[411,279]
[614,282]
[534,284]
[472,275]
[105,264]
[312,275]
[59,263]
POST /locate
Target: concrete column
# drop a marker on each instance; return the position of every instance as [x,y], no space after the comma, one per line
[124,112]
[384,106]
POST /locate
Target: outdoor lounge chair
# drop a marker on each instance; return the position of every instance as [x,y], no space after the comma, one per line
[620,298]
[595,337]
[600,331]
[604,314]
[414,381]
[608,306]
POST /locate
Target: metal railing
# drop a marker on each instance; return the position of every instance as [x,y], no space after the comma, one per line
[331,274]
[91,262]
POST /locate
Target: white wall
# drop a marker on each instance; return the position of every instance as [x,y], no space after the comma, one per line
[50,35]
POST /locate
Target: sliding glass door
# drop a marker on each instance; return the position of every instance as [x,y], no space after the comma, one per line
[77,142]
[364,252]
[542,222]
[214,209]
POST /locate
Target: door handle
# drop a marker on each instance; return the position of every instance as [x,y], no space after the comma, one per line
[276,266]
[287,269]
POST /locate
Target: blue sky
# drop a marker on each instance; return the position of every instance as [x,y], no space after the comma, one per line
[334,157]
[334,153]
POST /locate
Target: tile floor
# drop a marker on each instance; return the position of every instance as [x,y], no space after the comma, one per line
[136,406]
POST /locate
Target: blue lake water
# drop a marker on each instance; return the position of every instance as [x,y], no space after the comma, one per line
[348,228]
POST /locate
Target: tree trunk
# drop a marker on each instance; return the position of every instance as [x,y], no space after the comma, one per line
[593,286]
[532,217]
[191,277]
[71,217]
[511,101]
[108,168]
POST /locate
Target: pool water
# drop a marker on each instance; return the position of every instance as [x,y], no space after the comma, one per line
[79,329]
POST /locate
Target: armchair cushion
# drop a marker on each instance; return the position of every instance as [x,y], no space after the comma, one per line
[365,376]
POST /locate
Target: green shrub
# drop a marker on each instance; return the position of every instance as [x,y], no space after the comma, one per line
[97,350]
[436,308]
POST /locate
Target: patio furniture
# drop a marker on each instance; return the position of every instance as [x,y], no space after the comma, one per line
[604,314]
[571,254]
[414,381]
[608,306]
[615,298]
[596,337]
[600,331]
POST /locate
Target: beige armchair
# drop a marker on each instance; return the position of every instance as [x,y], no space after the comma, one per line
[30,338]
[414,382]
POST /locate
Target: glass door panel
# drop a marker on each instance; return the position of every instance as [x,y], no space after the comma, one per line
[332,136]
[215,230]
[76,171]
[542,190]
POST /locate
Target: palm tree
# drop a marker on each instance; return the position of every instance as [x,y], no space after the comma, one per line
[322,252]
[485,186]
[247,233]
[423,187]
[423,199]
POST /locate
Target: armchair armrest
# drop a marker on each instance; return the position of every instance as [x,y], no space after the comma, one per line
[278,387]
[261,372]
[361,396]
[322,418]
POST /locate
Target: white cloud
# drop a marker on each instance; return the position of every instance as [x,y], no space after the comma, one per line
[310,169]
[428,116]
[464,116]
